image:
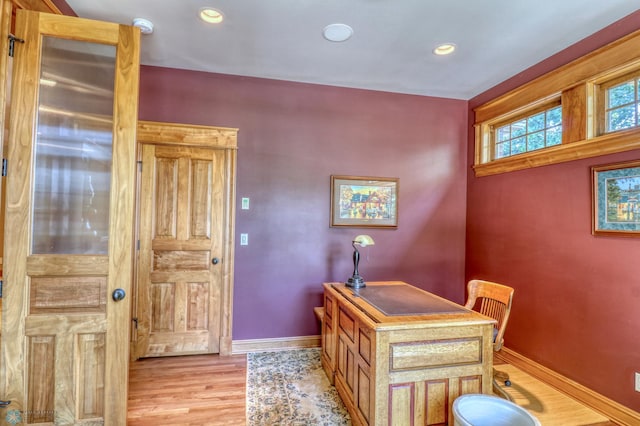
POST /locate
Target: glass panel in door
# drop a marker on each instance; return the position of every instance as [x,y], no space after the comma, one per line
[73,148]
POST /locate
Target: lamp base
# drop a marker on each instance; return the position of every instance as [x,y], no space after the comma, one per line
[355,281]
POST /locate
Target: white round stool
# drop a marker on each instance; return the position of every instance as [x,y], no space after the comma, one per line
[486,410]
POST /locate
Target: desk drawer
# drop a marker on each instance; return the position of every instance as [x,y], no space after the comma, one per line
[435,353]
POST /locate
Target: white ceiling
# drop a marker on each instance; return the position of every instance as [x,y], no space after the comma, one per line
[391,49]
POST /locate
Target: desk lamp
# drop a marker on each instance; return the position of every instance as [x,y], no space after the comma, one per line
[356,281]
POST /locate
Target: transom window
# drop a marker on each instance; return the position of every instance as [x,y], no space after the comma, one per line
[621,105]
[526,127]
[536,131]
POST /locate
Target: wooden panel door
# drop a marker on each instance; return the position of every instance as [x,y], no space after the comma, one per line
[181,245]
[69,221]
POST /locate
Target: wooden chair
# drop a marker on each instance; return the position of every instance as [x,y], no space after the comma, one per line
[493,300]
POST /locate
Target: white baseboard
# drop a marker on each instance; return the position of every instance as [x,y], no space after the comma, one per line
[275,344]
[616,412]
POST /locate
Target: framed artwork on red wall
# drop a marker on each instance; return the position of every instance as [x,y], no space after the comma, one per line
[365,202]
[616,199]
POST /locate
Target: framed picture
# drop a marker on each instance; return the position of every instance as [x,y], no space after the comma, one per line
[366,202]
[616,199]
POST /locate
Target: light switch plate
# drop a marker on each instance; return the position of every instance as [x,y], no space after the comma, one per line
[637,382]
[245,203]
[244,239]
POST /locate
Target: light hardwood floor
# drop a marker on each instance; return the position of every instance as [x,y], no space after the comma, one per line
[549,406]
[207,390]
[197,390]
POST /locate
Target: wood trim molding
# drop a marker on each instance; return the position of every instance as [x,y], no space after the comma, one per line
[38,5]
[226,319]
[187,134]
[275,344]
[616,412]
[588,148]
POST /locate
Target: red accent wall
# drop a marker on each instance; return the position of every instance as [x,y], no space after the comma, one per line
[64,7]
[577,297]
[292,138]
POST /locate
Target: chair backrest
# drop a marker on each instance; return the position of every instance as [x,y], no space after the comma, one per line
[493,300]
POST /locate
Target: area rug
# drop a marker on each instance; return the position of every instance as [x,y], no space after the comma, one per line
[291,388]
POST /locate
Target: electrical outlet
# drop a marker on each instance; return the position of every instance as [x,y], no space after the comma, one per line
[637,382]
[244,239]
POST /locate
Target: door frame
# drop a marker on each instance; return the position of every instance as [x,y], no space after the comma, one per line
[224,138]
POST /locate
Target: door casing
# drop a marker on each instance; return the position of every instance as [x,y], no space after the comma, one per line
[218,138]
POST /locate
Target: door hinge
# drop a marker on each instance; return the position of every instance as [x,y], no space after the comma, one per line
[135,322]
[4,167]
[12,43]
[0,289]
[139,166]
[138,245]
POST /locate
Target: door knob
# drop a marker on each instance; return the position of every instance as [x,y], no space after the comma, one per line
[4,403]
[215,260]
[118,294]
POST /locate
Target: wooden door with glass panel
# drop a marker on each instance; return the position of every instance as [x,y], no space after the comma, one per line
[69,221]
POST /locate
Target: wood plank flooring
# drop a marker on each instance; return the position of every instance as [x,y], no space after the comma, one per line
[196,390]
[549,406]
[204,390]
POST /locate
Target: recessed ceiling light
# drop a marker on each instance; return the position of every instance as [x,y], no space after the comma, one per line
[445,49]
[210,15]
[145,25]
[337,32]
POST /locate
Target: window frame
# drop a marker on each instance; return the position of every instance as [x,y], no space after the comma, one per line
[579,86]
[602,97]
[547,106]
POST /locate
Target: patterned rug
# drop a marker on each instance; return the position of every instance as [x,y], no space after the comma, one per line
[291,388]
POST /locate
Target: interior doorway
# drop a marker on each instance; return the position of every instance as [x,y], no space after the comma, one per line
[184,273]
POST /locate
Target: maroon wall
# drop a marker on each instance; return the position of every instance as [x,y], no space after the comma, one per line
[64,7]
[292,138]
[577,297]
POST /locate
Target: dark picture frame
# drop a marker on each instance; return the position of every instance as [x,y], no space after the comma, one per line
[364,202]
[616,199]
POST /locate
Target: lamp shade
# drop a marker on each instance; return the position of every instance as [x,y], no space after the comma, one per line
[363,240]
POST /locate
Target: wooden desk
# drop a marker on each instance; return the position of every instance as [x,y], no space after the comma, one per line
[399,355]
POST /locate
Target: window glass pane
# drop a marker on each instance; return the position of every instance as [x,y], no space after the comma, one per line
[621,110]
[621,118]
[554,117]
[73,141]
[519,146]
[554,136]
[536,131]
[535,141]
[503,150]
[621,95]
[503,134]
[518,128]
[535,123]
